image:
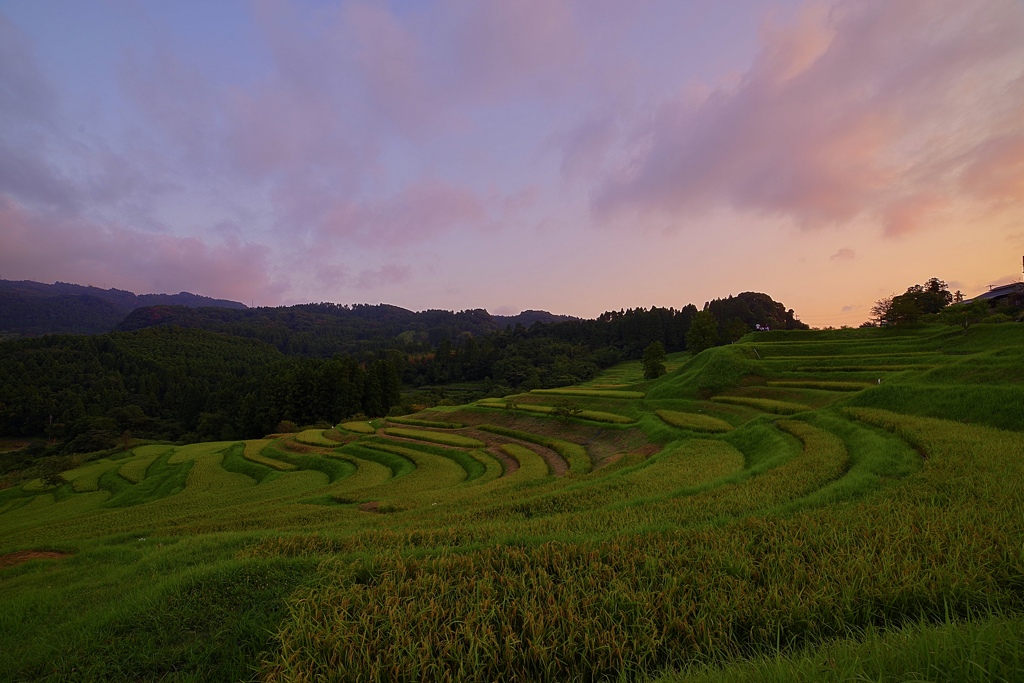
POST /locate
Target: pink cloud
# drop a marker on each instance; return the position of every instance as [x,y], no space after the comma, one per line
[418,212]
[178,101]
[856,111]
[46,246]
[24,92]
[390,62]
[389,274]
[913,212]
[844,254]
[996,169]
[586,147]
[505,46]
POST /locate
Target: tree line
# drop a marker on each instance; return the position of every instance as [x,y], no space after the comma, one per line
[86,392]
[187,383]
[933,302]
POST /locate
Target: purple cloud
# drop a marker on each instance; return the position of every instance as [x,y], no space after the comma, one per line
[48,247]
[389,274]
[860,110]
[323,144]
[418,212]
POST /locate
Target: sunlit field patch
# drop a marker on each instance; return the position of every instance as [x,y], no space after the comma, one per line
[315,437]
[358,427]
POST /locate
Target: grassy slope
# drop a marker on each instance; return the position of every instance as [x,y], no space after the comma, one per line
[875,534]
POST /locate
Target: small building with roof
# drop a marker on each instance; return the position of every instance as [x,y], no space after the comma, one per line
[996,295]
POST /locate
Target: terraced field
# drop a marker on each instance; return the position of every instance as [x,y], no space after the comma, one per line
[779,506]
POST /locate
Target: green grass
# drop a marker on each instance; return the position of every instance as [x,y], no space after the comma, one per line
[134,469]
[876,535]
[694,421]
[413,422]
[574,454]
[357,427]
[986,650]
[315,437]
[87,477]
[254,452]
[474,468]
[765,404]
[590,393]
[531,465]
[592,415]
[398,465]
[821,384]
[447,439]
[334,468]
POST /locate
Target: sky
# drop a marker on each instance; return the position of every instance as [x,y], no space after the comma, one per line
[576,156]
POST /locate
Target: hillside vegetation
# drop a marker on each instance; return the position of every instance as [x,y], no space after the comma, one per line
[800,505]
[217,374]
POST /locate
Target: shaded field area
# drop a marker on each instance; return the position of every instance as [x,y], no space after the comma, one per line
[835,505]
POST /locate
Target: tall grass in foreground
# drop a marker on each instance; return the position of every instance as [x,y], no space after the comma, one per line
[928,549]
[848,542]
[985,650]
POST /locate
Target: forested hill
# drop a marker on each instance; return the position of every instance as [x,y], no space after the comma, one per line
[192,373]
[174,383]
[323,329]
[30,308]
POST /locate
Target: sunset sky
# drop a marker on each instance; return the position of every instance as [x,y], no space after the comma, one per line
[573,156]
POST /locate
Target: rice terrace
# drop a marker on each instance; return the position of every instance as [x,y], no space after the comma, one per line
[798,505]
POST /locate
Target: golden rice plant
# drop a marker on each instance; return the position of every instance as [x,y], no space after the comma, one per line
[694,421]
[254,452]
[358,427]
[315,437]
[766,404]
[445,438]
[591,393]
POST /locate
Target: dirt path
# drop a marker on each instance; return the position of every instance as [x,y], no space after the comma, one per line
[16,558]
[555,462]
[510,464]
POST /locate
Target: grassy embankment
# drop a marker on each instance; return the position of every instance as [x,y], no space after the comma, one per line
[800,506]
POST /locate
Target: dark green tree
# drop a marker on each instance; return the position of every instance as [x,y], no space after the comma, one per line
[918,300]
[735,330]
[654,360]
[964,315]
[703,333]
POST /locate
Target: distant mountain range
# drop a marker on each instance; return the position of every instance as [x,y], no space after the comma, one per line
[30,308]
